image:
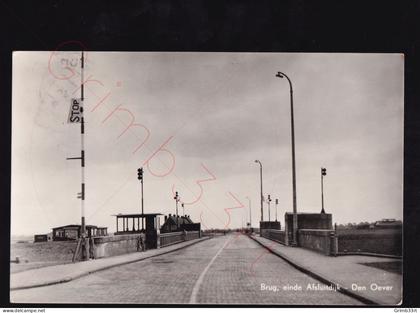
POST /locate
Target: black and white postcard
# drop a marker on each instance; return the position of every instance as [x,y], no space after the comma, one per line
[201,178]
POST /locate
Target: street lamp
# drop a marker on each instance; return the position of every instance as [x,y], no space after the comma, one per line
[250,218]
[294,234]
[261,194]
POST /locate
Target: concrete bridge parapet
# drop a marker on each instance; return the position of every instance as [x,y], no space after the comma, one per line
[320,240]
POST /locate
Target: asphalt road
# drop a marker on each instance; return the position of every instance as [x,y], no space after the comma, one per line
[230,269]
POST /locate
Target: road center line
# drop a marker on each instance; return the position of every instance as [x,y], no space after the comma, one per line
[193,298]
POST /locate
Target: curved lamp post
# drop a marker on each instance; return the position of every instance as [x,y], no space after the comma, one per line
[261,195]
[294,234]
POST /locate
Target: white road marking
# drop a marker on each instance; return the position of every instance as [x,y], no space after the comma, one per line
[193,298]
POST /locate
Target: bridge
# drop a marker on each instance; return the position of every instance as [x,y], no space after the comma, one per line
[236,268]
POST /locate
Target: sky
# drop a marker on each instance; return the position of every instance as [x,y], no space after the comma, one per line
[197,122]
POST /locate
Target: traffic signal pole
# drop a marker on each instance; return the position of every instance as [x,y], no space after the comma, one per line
[140,177]
[142,205]
[323,173]
[176,208]
[322,193]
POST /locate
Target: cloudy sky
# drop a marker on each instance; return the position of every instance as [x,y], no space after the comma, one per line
[197,122]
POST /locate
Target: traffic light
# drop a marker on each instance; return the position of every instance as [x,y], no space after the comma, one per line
[269,198]
[277,201]
[176,195]
[140,173]
[323,171]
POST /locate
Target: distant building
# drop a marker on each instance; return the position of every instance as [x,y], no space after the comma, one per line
[179,223]
[72,232]
[388,223]
[40,238]
[43,237]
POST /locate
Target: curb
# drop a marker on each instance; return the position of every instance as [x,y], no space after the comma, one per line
[319,277]
[388,256]
[68,279]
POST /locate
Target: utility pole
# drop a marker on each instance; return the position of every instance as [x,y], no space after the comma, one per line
[82,137]
[183,211]
[76,115]
[140,177]
[323,173]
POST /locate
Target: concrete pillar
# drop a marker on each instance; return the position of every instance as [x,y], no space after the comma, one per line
[286,233]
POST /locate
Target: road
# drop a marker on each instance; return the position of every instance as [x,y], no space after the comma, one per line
[224,270]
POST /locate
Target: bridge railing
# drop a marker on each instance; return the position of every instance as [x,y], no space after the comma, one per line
[376,241]
[107,246]
[274,234]
[320,240]
[384,242]
[171,238]
[190,235]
